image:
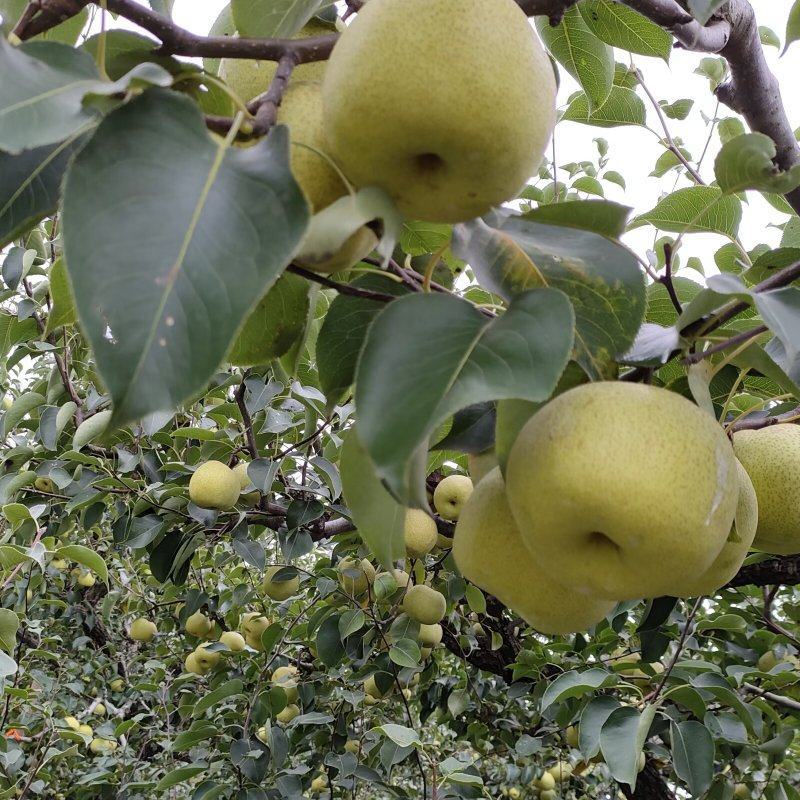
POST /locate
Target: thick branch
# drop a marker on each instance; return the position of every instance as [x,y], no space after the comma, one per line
[785,571]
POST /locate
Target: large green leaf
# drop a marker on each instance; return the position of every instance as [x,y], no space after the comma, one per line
[623,107]
[437,354]
[170,239]
[621,26]
[42,97]
[601,278]
[576,684]
[276,19]
[693,754]
[63,310]
[343,332]
[621,740]
[746,162]
[30,187]
[695,209]
[589,60]
[9,624]
[793,25]
[378,517]
[601,216]
[703,9]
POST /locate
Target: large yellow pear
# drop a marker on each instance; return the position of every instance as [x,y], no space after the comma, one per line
[279,589]
[249,78]
[214,485]
[771,457]
[448,105]
[735,549]
[623,490]
[143,630]
[318,178]
[488,551]
[424,604]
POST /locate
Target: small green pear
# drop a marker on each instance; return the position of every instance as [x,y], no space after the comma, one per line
[355,577]
[233,640]
[286,678]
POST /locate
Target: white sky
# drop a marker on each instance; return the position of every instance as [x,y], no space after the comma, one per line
[633,151]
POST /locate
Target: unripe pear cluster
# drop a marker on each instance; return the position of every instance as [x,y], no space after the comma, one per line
[612,491]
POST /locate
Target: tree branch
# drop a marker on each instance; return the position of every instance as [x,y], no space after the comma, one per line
[784,570]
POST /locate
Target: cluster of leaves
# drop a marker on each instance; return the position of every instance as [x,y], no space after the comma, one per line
[118,387]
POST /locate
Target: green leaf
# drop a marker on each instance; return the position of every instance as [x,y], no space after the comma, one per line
[693,754]
[351,622]
[329,642]
[621,740]
[678,110]
[520,354]
[278,321]
[379,518]
[170,261]
[90,429]
[696,209]
[476,599]
[793,25]
[179,775]
[600,216]
[702,10]
[623,107]
[405,653]
[589,60]
[593,718]
[343,332]
[199,732]
[13,331]
[601,278]
[63,310]
[229,689]
[31,185]
[768,37]
[746,162]
[280,19]
[625,28]
[723,622]
[48,105]
[576,684]
[9,625]
[23,405]
[400,735]
[86,558]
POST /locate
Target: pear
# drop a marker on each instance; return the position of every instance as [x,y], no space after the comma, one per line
[288,714]
[101,746]
[250,78]
[450,495]
[420,533]
[233,641]
[424,604]
[355,577]
[192,665]
[117,685]
[735,549]
[623,490]
[214,485]
[489,551]
[142,630]
[481,464]
[199,625]
[252,625]
[44,485]
[206,659]
[279,589]
[286,678]
[771,457]
[372,689]
[430,635]
[240,470]
[319,784]
[448,106]
[352,746]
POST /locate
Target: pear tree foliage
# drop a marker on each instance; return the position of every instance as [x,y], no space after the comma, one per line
[266,325]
